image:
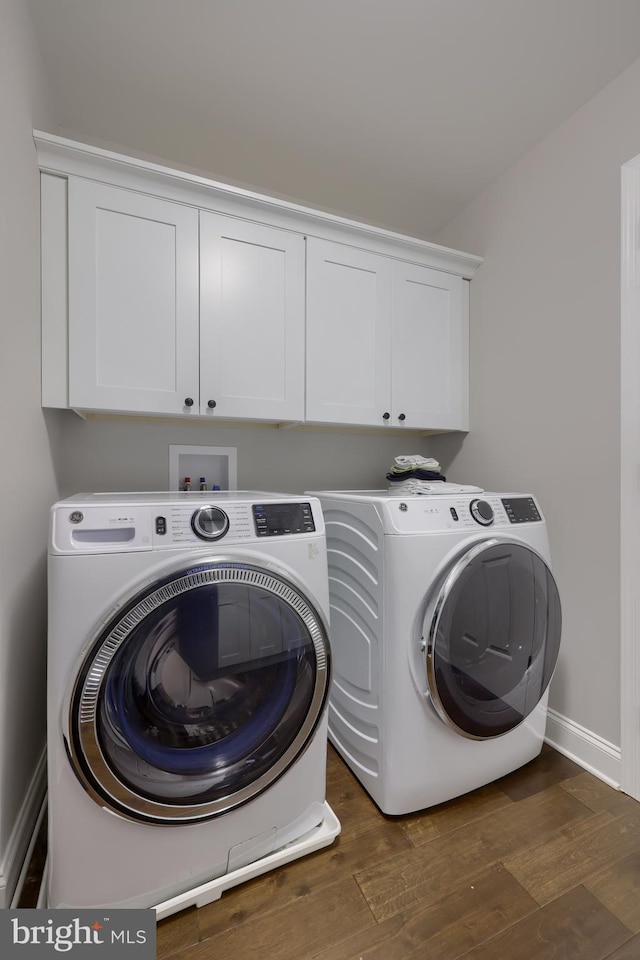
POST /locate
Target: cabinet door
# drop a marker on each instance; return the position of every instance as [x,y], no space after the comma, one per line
[251,320]
[133,301]
[348,334]
[429,353]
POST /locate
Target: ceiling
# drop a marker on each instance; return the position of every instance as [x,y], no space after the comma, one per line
[397,112]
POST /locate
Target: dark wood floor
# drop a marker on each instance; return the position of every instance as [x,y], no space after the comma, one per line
[545,863]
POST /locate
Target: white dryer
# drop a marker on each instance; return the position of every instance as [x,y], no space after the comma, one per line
[445,630]
[188,675]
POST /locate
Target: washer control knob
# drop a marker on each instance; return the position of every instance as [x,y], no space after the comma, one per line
[482,512]
[209,523]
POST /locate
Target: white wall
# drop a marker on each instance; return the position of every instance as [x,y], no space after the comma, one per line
[27,485]
[545,373]
[106,455]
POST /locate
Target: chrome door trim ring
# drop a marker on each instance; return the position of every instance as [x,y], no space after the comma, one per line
[82,739]
[444,592]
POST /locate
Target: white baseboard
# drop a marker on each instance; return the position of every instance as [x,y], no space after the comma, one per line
[12,858]
[598,756]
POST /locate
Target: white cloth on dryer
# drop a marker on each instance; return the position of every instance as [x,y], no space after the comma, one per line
[415,460]
[432,487]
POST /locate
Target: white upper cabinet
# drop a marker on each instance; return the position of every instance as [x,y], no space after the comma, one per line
[176,311]
[251,320]
[429,355]
[166,294]
[348,334]
[385,341]
[133,301]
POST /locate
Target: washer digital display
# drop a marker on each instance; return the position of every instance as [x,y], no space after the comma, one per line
[279,519]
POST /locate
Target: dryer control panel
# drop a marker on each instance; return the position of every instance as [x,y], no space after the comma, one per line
[482,511]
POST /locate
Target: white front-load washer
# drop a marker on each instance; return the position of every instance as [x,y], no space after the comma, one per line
[188,674]
[445,631]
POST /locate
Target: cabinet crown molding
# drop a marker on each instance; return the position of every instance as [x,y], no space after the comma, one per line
[64,157]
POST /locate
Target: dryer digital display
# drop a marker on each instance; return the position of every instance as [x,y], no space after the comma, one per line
[521,510]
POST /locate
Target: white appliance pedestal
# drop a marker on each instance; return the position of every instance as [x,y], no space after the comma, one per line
[321,836]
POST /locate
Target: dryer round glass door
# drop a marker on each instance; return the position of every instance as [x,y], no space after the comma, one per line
[200,693]
[492,638]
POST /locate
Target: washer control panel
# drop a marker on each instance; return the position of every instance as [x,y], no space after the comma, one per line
[98,525]
[233,521]
[204,522]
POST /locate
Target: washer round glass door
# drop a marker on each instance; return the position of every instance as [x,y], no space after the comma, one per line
[199,693]
[492,638]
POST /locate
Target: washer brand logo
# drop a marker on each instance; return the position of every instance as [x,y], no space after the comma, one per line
[76,516]
[41,933]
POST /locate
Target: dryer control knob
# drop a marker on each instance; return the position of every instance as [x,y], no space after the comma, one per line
[209,523]
[482,512]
